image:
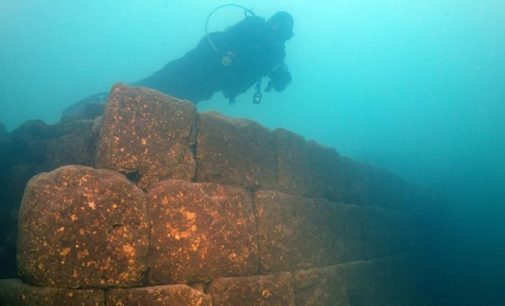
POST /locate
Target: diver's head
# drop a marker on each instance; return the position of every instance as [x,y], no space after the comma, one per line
[281,24]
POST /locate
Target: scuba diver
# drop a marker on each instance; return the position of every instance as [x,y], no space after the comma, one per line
[230,61]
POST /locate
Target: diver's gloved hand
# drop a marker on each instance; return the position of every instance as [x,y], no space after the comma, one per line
[279,78]
[269,86]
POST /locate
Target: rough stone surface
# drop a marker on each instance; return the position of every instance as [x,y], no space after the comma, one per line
[81,227]
[13,292]
[265,202]
[358,182]
[261,290]
[307,168]
[75,146]
[383,282]
[46,147]
[200,231]
[172,295]
[296,232]
[388,190]
[236,152]
[149,134]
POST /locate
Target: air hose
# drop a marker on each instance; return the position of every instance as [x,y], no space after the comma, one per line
[247,13]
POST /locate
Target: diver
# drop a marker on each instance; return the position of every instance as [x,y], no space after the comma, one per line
[230,61]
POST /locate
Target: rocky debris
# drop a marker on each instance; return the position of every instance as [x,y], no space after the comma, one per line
[272,289]
[80,228]
[13,292]
[323,233]
[200,231]
[390,281]
[307,168]
[158,296]
[236,152]
[147,133]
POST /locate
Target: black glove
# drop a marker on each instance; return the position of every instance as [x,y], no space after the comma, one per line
[279,78]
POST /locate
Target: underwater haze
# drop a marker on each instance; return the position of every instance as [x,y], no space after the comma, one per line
[417,87]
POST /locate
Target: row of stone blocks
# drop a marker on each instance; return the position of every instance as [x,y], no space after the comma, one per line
[152,137]
[81,227]
[210,198]
[380,282]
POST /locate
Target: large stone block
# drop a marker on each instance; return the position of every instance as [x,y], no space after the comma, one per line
[265,290]
[357,182]
[200,231]
[388,190]
[30,149]
[236,152]
[13,292]
[176,295]
[45,147]
[392,281]
[307,168]
[149,134]
[296,232]
[81,227]
[74,144]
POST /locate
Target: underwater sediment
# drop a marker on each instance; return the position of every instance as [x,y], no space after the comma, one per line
[154,203]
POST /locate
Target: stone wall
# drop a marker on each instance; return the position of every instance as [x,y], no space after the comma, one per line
[200,209]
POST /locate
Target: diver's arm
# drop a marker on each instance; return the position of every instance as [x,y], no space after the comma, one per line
[280,77]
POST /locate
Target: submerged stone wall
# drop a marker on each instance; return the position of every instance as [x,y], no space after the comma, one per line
[211,211]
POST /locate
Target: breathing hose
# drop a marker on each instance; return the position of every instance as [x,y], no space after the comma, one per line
[247,12]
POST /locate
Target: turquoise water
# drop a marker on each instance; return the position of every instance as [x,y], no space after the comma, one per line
[414,86]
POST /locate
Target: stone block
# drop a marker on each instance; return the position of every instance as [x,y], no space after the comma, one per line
[13,292]
[357,182]
[75,144]
[236,152]
[296,232]
[389,281]
[388,190]
[307,168]
[200,231]
[264,290]
[147,134]
[176,295]
[80,228]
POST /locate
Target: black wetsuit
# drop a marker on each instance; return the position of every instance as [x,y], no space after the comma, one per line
[244,53]
[252,52]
